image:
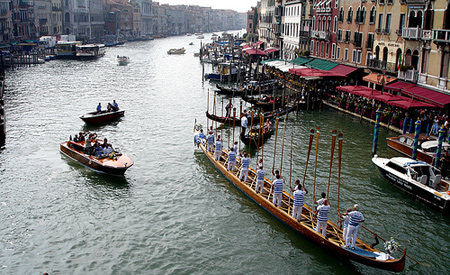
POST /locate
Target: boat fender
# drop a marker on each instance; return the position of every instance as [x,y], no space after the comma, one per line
[448,193]
[90,162]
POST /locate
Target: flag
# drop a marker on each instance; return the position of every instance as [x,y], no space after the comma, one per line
[399,64]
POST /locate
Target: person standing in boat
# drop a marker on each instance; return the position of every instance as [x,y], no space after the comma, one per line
[228,107]
[320,202]
[88,145]
[355,218]
[231,160]
[201,136]
[244,122]
[235,147]
[322,218]
[260,179]
[218,149]
[99,108]
[277,190]
[210,141]
[299,194]
[345,219]
[245,164]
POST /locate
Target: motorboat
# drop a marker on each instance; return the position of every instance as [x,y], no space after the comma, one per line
[417,178]
[427,146]
[177,51]
[115,163]
[123,60]
[90,51]
[102,117]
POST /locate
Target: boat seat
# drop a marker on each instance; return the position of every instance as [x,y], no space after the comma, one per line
[423,179]
[436,181]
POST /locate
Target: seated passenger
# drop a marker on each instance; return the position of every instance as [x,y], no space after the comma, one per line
[107,150]
[109,107]
[76,139]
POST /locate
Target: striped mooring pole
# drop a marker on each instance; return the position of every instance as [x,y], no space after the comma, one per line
[375,132]
[416,139]
[439,148]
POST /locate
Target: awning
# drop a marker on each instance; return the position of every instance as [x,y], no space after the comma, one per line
[270,60]
[397,86]
[360,91]
[313,72]
[322,64]
[246,46]
[255,52]
[411,104]
[271,50]
[257,44]
[343,69]
[300,60]
[436,98]
[373,78]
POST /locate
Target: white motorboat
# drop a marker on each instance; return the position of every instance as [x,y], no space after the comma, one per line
[417,178]
[177,51]
[123,60]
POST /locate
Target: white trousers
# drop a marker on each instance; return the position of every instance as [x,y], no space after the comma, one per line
[352,232]
[277,199]
[244,173]
[217,155]
[322,225]
[259,186]
[297,212]
[232,165]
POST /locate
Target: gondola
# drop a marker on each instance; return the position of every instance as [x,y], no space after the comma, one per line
[231,91]
[265,105]
[332,242]
[102,117]
[254,137]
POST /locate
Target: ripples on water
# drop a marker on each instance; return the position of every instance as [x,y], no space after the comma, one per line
[173,212]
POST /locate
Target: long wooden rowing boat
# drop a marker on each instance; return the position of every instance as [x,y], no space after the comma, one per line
[333,241]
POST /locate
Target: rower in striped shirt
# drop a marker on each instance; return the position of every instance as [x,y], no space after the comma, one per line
[322,219]
[355,218]
[245,164]
[298,199]
[277,190]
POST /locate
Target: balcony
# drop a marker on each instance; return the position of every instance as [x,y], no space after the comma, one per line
[386,31]
[380,65]
[427,34]
[324,35]
[408,75]
[304,33]
[378,30]
[441,36]
[411,33]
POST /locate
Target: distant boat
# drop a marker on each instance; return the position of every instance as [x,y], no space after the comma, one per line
[90,51]
[123,60]
[200,36]
[176,51]
[66,49]
[115,163]
[102,117]
[192,43]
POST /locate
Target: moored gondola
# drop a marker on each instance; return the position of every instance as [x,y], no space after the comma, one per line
[256,136]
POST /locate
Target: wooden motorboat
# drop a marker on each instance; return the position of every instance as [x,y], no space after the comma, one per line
[102,117]
[113,164]
[404,144]
[256,136]
[123,60]
[176,51]
[332,242]
[417,178]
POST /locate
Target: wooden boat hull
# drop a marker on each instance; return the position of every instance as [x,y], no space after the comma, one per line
[434,199]
[407,150]
[103,117]
[75,151]
[306,228]
[255,139]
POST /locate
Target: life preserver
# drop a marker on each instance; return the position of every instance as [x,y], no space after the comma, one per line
[448,193]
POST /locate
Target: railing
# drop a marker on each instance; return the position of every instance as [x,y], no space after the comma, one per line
[320,35]
[386,31]
[411,33]
[409,75]
[304,33]
[380,64]
[427,34]
[441,36]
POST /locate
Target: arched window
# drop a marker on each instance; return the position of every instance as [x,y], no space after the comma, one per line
[408,57]
[415,59]
[363,15]
[358,15]
[419,19]
[341,14]
[428,19]
[329,24]
[67,17]
[385,54]
[335,24]
[397,59]
[373,13]
[350,15]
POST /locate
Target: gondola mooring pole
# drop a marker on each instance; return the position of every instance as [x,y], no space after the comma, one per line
[375,132]
[416,139]
[439,148]
[340,139]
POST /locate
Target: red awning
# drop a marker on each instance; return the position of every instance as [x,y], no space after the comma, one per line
[307,72]
[439,99]
[255,52]
[388,98]
[271,50]
[397,86]
[343,69]
[246,46]
[360,91]
[257,44]
[411,104]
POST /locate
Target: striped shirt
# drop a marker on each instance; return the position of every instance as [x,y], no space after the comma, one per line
[232,156]
[355,218]
[245,162]
[210,139]
[278,186]
[298,197]
[320,202]
[260,174]
[218,146]
[323,213]
[346,221]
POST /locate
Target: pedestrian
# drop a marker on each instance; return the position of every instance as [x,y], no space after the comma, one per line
[355,218]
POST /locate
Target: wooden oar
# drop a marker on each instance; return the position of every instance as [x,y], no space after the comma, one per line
[333,144]
[262,139]
[384,240]
[207,110]
[221,128]
[214,112]
[282,143]
[340,139]
[290,166]
[275,145]
[259,136]
[234,124]
[249,133]
[315,164]
[311,137]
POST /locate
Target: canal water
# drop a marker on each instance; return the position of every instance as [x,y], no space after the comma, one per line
[172,212]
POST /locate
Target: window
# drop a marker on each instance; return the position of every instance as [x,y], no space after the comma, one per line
[373,13]
[369,43]
[380,21]
[333,50]
[338,54]
[350,15]
[388,23]
[341,14]
[339,35]
[335,24]
[358,56]
[345,54]
[402,22]
[347,36]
